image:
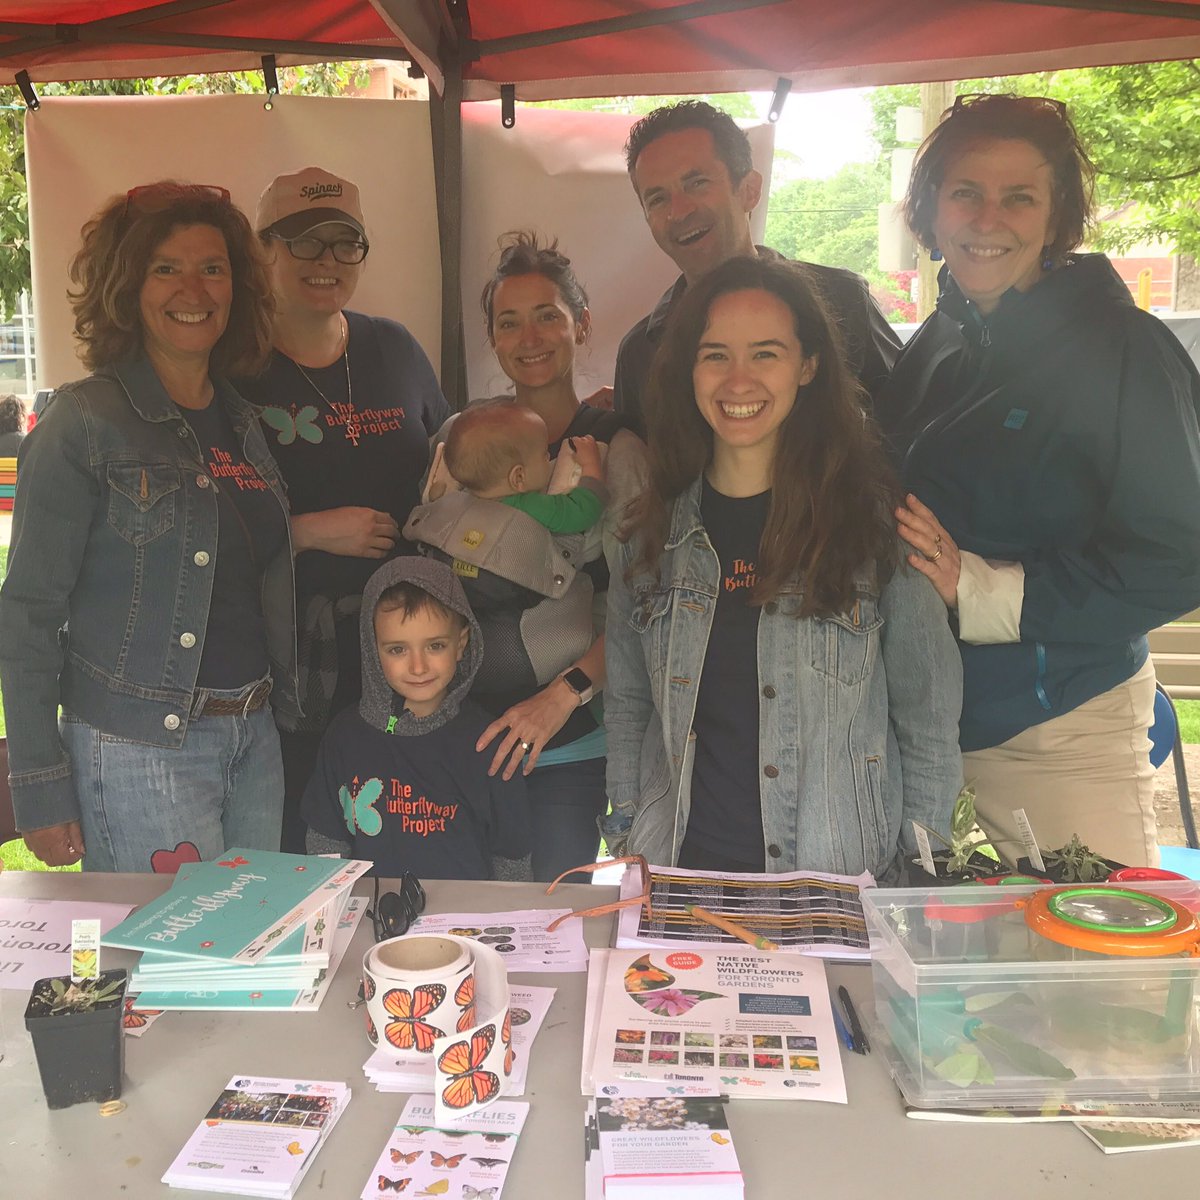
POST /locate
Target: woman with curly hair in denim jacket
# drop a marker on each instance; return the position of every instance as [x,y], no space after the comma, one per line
[149,589]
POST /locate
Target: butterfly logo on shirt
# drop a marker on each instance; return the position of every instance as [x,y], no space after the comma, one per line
[463,1063]
[293,423]
[358,807]
[409,1030]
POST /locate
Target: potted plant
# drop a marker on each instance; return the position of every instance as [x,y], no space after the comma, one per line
[78,1036]
[1074,862]
[965,856]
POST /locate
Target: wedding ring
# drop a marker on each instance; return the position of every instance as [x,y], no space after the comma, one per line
[936,555]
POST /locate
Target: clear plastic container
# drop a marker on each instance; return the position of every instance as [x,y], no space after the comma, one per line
[1010,997]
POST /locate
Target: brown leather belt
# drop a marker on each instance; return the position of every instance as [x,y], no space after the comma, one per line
[230,706]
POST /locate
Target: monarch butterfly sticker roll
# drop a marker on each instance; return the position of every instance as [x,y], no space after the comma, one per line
[409,1030]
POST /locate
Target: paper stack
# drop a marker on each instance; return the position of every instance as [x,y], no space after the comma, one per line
[657,1147]
[392,1070]
[472,1158]
[259,1137]
[521,936]
[255,929]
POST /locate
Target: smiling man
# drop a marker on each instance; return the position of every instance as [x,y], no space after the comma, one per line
[691,167]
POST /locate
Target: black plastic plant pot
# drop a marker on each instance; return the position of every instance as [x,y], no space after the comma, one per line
[1055,871]
[80,1055]
[978,868]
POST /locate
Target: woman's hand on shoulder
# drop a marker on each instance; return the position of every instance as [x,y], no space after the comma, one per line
[350,531]
[527,727]
[936,554]
[56,845]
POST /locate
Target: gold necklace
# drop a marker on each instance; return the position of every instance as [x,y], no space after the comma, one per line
[345,413]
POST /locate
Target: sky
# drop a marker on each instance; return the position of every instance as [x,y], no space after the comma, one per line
[825,129]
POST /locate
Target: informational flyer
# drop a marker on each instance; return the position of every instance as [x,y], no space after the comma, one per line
[520,936]
[807,911]
[756,1024]
[35,936]
[468,1162]
[259,1136]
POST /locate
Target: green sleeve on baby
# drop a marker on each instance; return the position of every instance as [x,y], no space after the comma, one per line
[571,512]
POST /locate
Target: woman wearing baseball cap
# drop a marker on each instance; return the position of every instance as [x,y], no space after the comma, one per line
[348,405]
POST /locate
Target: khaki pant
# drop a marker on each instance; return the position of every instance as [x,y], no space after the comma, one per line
[1086,772]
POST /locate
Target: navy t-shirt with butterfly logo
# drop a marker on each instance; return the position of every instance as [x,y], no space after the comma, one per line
[420,803]
[366,445]
[251,530]
[726,809]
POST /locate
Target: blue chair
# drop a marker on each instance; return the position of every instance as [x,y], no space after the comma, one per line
[1165,742]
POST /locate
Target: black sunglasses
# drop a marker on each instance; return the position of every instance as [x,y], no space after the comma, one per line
[393,913]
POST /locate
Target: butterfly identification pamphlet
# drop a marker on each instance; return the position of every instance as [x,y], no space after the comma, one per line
[659,1148]
[751,1023]
[521,936]
[467,1162]
[259,1137]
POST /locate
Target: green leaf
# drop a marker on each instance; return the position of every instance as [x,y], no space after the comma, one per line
[1027,1058]
[961,1069]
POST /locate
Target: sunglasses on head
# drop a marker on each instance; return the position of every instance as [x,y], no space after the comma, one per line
[1048,103]
[155,197]
[393,913]
[308,248]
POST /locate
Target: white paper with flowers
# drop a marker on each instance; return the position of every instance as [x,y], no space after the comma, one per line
[750,1023]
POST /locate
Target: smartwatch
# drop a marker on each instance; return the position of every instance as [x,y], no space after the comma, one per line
[579,682]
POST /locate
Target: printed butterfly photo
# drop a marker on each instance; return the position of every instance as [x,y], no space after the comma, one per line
[650,986]
[464,997]
[133,1019]
[358,808]
[489,1164]
[292,423]
[510,1055]
[474,1193]
[398,1156]
[384,1184]
[463,1063]
[450,1162]
[410,1030]
[439,1187]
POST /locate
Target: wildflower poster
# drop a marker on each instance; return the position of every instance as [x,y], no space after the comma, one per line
[749,1023]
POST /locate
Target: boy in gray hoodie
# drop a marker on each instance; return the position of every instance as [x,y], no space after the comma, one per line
[398,780]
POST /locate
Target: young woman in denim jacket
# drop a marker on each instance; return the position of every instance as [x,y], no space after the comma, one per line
[149,588]
[783,692]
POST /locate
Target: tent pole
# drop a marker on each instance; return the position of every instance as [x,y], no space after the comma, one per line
[445,117]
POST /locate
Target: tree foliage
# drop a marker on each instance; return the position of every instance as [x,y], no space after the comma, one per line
[323,79]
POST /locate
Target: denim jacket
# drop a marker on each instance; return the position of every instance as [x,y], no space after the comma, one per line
[110,571]
[858,713]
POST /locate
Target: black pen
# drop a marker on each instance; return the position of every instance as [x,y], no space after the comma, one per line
[861,1045]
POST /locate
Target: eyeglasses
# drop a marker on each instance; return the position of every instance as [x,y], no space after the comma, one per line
[970,99]
[393,913]
[599,910]
[155,197]
[309,249]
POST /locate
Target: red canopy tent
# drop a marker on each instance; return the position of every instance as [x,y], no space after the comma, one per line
[472,49]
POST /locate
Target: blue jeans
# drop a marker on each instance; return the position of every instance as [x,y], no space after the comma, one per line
[153,808]
[564,801]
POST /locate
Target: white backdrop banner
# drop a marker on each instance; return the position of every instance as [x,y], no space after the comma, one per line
[558,172]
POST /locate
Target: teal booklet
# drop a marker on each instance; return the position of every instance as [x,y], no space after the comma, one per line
[237,908]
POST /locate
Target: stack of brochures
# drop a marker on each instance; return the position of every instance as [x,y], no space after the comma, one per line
[657,1146]
[254,929]
[259,1137]
[468,1162]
